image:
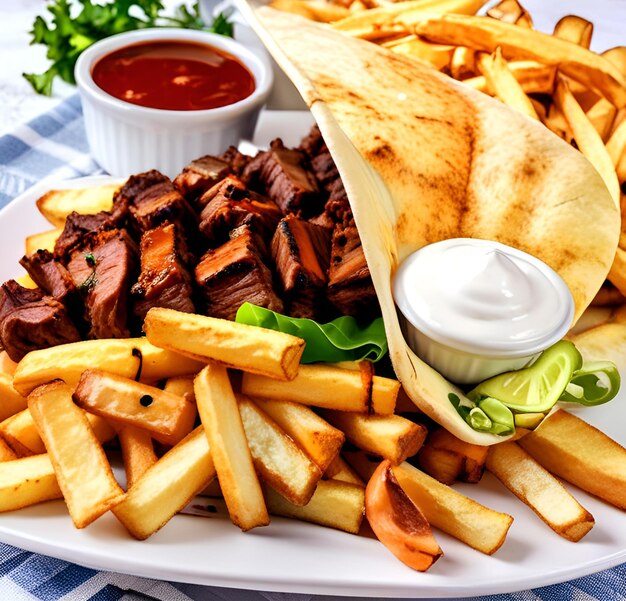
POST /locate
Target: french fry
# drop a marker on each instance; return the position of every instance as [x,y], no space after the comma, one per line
[364,464]
[326,386]
[319,440]
[277,459]
[340,470]
[435,55]
[232,344]
[617,56]
[574,29]
[511,11]
[334,504]
[81,467]
[533,78]
[601,115]
[7,365]
[181,386]
[463,63]
[21,434]
[11,401]
[6,452]
[221,419]
[579,453]
[455,514]
[317,11]
[167,486]
[616,144]
[538,489]
[605,342]
[56,205]
[503,83]
[136,404]
[126,357]
[27,481]
[26,281]
[448,458]
[587,138]
[590,69]
[137,452]
[42,241]
[390,436]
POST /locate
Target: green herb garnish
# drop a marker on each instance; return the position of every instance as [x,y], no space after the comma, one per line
[91,280]
[70,32]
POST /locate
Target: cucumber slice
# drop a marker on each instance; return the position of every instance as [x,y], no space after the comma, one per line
[537,388]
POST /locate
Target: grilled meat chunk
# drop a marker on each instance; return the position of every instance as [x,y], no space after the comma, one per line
[103,268]
[200,175]
[152,199]
[51,276]
[313,143]
[77,226]
[164,280]
[30,321]
[301,253]
[233,274]
[282,174]
[229,205]
[350,287]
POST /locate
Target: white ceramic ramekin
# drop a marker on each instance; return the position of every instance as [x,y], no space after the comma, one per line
[125,138]
[468,351]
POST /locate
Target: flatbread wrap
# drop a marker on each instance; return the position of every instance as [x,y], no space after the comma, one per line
[425,159]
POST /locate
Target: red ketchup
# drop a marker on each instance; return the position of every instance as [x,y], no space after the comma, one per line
[178,76]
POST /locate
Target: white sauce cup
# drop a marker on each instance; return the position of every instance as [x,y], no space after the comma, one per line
[125,138]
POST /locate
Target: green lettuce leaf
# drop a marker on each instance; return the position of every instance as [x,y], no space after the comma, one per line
[339,340]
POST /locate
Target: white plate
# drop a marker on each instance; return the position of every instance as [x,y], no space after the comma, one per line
[290,556]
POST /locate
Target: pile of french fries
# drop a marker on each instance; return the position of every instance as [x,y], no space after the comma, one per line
[576,93]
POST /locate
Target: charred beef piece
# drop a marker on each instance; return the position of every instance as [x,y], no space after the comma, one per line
[77,226]
[229,205]
[350,287]
[301,253]
[237,160]
[30,321]
[164,280]
[103,268]
[200,175]
[313,143]
[233,274]
[152,199]
[281,173]
[325,170]
[51,276]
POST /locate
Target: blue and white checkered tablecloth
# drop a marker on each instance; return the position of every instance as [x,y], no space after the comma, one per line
[54,146]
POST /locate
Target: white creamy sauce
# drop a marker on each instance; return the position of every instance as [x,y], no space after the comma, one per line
[478,295]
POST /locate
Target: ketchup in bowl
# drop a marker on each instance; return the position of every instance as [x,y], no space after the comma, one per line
[172,75]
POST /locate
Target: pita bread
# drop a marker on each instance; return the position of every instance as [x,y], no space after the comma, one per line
[425,159]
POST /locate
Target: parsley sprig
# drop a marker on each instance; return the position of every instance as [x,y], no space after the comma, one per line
[69,31]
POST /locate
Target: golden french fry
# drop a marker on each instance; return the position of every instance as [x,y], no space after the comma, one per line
[7,365]
[21,434]
[42,241]
[27,481]
[616,144]
[334,504]
[479,33]
[340,470]
[167,486]
[232,344]
[503,83]
[323,12]
[533,78]
[128,357]
[319,440]
[56,205]
[617,274]
[6,452]
[601,115]
[181,386]
[444,465]
[435,55]
[390,436]
[605,342]
[538,489]
[221,419]
[277,458]
[587,138]
[26,281]
[617,56]
[574,29]
[463,63]
[137,452]
[444,445]
[326,386]
[136,404]
[11,401]
[579,453]
[470,522]
[81,467]
[511,11]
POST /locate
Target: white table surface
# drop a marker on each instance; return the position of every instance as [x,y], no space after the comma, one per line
[18,103]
